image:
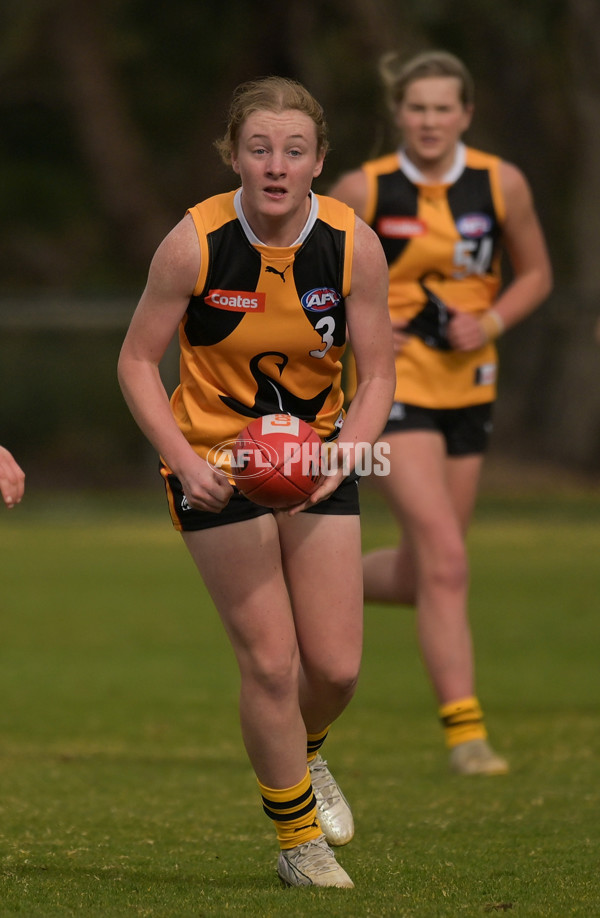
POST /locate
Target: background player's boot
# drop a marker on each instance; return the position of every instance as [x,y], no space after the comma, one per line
[476,757]
[312,864]
[335,815]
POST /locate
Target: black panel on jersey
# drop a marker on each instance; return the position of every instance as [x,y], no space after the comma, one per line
[273,397]
[320,263]
[472,193]
[396,197]
[431,322]
[238,268]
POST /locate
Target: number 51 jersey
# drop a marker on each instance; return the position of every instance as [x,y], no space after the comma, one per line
[443,247]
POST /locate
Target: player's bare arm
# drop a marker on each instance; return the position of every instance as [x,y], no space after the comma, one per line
[526,249]
[171,280]
[351,188]
[370,333]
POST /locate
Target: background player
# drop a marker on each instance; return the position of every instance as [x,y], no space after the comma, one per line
[442,212]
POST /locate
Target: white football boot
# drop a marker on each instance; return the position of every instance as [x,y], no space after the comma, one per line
[312,864]
[333,810]
[476,757]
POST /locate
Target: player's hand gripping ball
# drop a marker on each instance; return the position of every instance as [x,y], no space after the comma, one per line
[276,461]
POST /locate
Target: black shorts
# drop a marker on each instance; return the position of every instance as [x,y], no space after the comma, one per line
[466,430]
[343,502]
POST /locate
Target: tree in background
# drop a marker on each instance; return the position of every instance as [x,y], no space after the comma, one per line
[110,109]
[110,112]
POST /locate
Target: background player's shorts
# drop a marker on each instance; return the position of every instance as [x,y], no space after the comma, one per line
[343,502]
[466,430]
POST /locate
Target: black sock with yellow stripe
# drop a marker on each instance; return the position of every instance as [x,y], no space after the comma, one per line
[294,812]
[462,721]
[314,741]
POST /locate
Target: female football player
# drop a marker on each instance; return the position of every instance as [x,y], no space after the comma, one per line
[237,275]
[443,211]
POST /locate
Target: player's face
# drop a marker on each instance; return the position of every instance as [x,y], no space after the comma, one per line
[432,119]
[277,161]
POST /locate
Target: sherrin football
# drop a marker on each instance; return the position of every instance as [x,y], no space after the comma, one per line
[276,461]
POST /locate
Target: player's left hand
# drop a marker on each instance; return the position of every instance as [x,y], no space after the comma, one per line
[329,483]
[465,332]
[12,479]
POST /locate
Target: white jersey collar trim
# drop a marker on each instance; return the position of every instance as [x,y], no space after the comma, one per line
[253,238]
[453,173]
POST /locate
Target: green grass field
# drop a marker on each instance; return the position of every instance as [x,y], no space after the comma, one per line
[125,789]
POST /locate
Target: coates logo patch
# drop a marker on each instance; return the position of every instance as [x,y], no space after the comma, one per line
[236,300]
[473,226]
[400,227]
[320,299]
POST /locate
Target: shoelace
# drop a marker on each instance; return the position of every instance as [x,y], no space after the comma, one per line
[315,854]
[323,783]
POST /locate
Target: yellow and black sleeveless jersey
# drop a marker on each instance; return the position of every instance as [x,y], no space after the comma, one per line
[265,328]
[442,244]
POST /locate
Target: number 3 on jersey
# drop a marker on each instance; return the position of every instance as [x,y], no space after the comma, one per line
[326,326]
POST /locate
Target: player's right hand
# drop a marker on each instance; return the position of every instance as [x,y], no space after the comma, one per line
[205,488]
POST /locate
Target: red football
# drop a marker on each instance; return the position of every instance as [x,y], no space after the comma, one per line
[276,461]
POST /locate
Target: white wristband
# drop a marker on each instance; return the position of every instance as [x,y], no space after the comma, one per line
[491,324]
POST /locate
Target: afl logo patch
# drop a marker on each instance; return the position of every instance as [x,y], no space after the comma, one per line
[320,299]
[473,226]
